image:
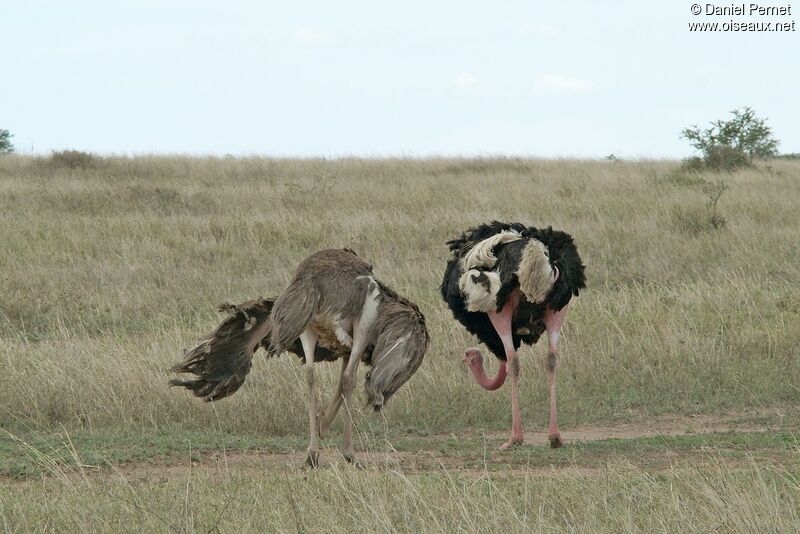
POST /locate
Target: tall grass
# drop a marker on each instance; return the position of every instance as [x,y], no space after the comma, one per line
[108,272]
[616,498]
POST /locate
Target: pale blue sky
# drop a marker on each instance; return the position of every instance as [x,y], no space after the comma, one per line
[375,78]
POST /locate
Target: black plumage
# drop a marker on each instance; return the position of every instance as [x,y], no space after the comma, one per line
[508,284]
[527,323]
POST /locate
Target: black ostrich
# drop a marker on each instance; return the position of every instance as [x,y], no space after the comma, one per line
[507,284]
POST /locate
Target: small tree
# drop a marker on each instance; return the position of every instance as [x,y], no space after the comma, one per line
[713,191]
[729,145]
[5,142]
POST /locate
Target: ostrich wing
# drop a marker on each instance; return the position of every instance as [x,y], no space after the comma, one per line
[508,260]
[479,233]
[564,255]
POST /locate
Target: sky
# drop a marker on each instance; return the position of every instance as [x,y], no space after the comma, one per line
[373,79]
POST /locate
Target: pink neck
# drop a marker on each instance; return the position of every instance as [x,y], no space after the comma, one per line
[484,381]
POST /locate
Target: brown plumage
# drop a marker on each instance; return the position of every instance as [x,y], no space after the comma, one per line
[222,359]
[333,309]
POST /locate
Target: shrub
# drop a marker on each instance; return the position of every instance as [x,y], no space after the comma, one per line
[73,159]
[713,191]
[5,142]
[692,220]
[730,145]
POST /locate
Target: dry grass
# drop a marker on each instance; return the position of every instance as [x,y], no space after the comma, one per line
[618,498]
[107,272]
[110,272]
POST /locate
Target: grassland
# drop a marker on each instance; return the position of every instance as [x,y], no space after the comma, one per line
[110,269]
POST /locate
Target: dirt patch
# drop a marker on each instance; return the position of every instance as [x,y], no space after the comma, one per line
[437,453]
[757,420]
[219,464]
[663,425]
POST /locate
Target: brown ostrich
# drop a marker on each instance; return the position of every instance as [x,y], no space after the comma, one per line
[334,308]
[508,284]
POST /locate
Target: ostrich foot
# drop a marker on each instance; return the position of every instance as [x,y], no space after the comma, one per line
[555,441]
[312,459]
[512,442]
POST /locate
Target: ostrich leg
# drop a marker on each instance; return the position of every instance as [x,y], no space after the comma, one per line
[552,322]
[348,384]
[502,324]
[361,330]
[309,341]
[327,416]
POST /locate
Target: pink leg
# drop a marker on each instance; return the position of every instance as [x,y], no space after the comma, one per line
[502,323]
[552,322]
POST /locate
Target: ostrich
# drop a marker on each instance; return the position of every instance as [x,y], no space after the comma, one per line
[507,284]
[334,308]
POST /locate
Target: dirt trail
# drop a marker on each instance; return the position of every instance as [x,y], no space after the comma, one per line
[667,425]
[221,464]
[436,452]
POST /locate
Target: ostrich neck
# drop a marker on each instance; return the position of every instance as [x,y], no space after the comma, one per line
[484,381]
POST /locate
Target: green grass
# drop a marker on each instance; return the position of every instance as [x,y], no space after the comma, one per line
[32,454]
[35,454]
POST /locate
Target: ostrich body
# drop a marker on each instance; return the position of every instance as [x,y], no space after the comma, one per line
[333,309]
[507,284]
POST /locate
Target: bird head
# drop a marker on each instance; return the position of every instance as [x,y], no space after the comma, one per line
[472,357]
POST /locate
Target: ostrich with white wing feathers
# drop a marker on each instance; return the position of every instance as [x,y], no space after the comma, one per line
[508,284]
